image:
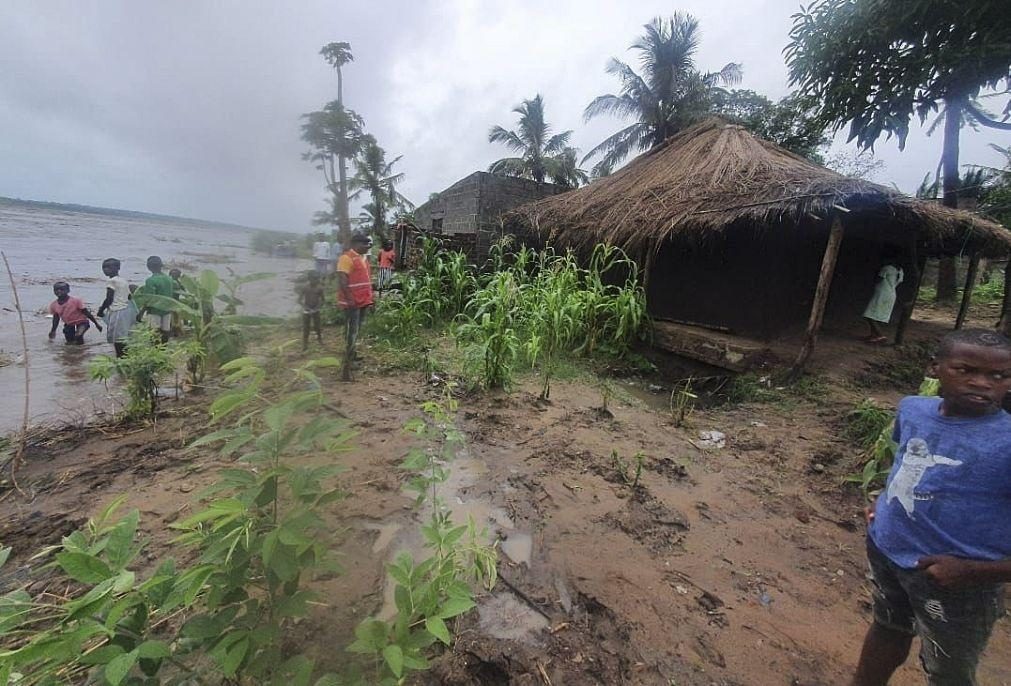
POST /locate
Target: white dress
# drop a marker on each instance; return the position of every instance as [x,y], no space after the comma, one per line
[882,302]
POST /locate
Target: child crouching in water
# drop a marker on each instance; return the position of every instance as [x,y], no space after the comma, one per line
[72,312]
[939,535]
[118,309]
[310,297]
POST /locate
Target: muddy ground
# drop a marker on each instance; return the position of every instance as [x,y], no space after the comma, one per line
[735,565]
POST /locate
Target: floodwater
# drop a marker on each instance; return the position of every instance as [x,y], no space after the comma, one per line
[45,245]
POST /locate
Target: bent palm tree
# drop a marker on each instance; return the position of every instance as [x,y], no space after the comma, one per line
[669,95]
[539,152]
[375,176]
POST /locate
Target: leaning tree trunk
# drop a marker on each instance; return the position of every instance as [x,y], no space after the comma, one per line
[1005,314]
[946,276]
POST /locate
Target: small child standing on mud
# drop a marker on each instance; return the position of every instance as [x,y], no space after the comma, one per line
[310,297]
[117,308]
[939,535]
[72,312]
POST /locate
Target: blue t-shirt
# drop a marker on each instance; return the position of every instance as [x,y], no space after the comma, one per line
[949,491]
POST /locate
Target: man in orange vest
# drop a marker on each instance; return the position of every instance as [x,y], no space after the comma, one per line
[354,292]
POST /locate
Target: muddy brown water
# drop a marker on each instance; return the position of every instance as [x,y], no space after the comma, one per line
[46,245]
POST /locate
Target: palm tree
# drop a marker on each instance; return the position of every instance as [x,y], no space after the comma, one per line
[669,95]
[333,134]
[337,55]
[375,176]
[565,171]
[540,154]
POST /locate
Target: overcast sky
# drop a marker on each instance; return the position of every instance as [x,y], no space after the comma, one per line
[192,108]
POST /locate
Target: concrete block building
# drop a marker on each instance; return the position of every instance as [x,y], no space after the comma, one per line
[474,206]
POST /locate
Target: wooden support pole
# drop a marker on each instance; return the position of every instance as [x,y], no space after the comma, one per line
[919,264]
[970,284]
[828,263]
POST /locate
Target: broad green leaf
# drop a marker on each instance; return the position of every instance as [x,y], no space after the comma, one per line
[455,606]
[153,649]
[438,628]
[233,658]
[394,657]
[5,552]
[103,655]
[82,567]
[209,282]
[119,667]
[120,548]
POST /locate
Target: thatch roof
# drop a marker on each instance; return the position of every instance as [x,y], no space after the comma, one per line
[714,175]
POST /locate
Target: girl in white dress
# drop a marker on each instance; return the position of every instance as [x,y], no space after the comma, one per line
[879,309]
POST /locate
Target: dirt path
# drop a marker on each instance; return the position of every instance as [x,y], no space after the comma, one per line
[737,565]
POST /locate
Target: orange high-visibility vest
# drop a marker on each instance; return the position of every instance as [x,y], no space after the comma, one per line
[359,282]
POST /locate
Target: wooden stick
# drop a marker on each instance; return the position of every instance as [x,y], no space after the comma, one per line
[919,265]
[970,284]
[19,454]
[828,263]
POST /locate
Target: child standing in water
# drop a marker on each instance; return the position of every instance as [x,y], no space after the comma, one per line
[310,297]
[117,308]
[879,309]
[157,284]
[72,312]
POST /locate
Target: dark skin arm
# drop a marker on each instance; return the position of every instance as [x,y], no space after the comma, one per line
[109,295]
[56,323]
[87,313]
[948,571]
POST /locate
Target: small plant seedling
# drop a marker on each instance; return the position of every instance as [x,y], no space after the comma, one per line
[682,402]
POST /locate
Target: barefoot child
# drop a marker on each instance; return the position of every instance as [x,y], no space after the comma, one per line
[310,297]
[72,312]
[939,536]
[117,308]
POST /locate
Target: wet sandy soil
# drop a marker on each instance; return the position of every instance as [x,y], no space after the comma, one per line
[741,565]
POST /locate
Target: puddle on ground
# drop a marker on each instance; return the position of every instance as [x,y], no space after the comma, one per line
[465,472]
[506,617]
[519,547]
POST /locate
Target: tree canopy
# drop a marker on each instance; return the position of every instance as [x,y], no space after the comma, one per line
[541,154]
[876,63]
[374,175]
[789,123]
[667,95]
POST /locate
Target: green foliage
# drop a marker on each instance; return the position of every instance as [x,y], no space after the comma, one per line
[432,592]
[682,402]
[880,449]
[146,363]
[629,477]
[216,337]
[375,176]
[491,326]
[110,627]
[541,154]
[232,285]
[668,95]
[875,63]
[789,123]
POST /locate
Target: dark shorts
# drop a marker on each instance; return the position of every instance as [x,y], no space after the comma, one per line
[73,332]
[953,625]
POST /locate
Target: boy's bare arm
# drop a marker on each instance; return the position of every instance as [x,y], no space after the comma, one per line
[56,323]
[109,295]
[956,572]
[87,313]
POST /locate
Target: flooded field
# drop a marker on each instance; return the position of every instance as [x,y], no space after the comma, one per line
[45,245]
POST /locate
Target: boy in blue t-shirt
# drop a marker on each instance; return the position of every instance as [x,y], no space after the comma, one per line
[939,535]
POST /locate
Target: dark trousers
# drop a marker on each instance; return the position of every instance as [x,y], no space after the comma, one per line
[353,319]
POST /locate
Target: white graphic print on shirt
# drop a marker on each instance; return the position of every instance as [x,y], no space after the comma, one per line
[915,462]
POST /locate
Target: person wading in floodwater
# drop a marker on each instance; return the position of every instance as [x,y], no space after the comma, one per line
[354,294]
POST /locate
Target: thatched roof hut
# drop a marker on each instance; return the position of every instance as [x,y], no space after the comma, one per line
[732,231]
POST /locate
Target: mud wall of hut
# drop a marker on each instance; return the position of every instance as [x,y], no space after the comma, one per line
[761,282]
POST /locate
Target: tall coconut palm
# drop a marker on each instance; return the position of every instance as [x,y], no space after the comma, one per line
[337,55]
[539,151]
[668,95]
[375,176]
[333,134]
[565,171]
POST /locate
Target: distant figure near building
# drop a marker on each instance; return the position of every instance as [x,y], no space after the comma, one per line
[387,258]
[321,254]
[354,294]
[879,309]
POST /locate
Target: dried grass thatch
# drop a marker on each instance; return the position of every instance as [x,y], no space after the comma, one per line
[714,175]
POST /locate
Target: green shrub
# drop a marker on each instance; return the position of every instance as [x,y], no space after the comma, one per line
[145,365]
